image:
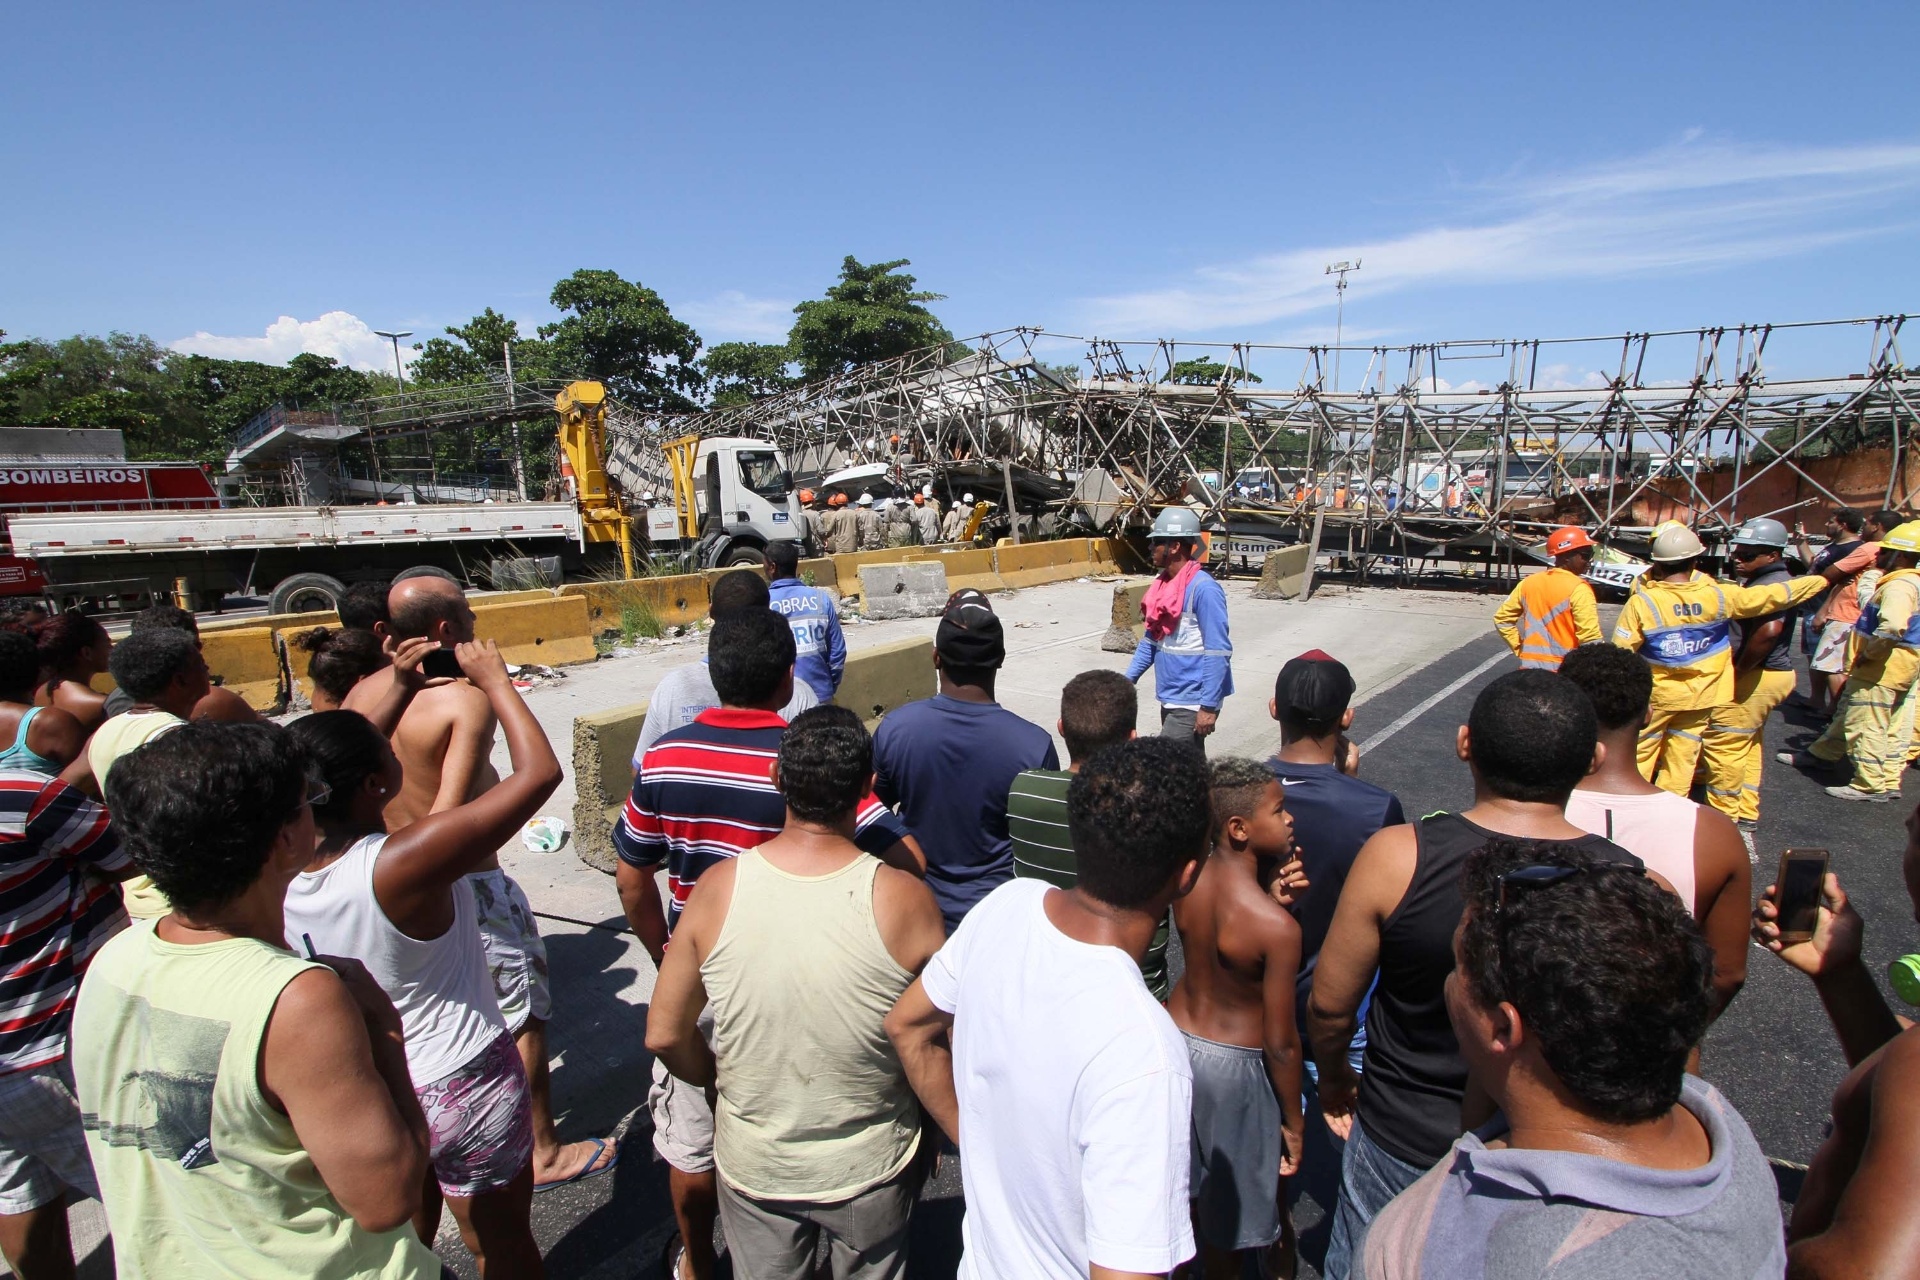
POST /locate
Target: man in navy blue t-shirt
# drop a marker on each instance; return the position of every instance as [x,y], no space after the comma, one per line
[946,763]
[1333,813]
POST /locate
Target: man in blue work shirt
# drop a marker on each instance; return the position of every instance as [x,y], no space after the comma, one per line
[820,645]
[1186,641]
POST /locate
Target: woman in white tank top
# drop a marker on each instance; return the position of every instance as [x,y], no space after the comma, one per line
[395,903]
[1694,848]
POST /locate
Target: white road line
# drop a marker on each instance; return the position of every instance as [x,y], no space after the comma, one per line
[1429,704]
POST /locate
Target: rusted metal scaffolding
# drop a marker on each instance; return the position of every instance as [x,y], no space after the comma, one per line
[1615,433]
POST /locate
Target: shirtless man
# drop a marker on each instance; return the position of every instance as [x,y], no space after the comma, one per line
[444,742]
[1234,1005]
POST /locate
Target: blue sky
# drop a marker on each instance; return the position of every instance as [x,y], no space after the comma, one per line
[256,180]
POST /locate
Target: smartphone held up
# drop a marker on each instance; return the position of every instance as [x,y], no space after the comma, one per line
[1803,875]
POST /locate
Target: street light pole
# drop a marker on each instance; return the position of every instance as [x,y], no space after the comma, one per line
[1340,270]
[395,336]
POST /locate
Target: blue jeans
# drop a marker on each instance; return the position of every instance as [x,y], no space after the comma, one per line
[1369,1178]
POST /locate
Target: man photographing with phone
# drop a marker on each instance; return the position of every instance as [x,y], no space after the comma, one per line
[1854,1215]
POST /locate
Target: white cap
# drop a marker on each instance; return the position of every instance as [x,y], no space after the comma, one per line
[866,499]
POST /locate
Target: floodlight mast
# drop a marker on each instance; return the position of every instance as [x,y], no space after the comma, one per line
[1339,269]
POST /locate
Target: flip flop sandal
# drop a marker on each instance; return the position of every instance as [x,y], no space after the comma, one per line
[586,1170]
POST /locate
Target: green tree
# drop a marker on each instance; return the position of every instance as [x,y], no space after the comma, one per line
[873,313]
[1208,372]
[742,372]
[621,333]
[478,350]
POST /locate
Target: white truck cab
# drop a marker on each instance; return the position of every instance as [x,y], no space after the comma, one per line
[742,500]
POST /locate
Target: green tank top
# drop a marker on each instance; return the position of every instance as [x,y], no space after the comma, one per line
[200,1174]
[813,1103]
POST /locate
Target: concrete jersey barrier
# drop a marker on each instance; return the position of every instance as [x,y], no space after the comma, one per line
[876,681]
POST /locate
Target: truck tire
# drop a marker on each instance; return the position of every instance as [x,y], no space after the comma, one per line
[426,571]
[306,593]
[745,558]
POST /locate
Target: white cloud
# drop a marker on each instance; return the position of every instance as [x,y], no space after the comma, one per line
[1691,206]
[340,334]
[732,316]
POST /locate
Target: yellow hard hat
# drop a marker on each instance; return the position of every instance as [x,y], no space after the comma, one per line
[1904,537]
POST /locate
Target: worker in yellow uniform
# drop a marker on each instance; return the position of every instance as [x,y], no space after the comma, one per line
[1549,614]
[1876,719]
[1680,620]
[1733,748]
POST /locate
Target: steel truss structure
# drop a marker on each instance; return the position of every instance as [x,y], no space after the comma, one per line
[1690,424]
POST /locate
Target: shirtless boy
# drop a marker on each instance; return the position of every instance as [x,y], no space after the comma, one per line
[1234,1005]
[444,742]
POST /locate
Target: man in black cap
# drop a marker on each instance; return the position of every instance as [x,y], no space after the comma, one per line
[946,763]
[1333,813]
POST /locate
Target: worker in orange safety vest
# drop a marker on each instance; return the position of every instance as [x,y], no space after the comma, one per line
[1553,612]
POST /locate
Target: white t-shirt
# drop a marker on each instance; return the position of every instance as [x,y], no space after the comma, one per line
[1076,1098]
[685,692]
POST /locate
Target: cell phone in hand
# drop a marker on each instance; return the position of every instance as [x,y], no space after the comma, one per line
[1803,873]
[440,663]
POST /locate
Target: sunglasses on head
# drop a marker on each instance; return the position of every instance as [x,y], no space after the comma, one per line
[1542,875]
[318,791]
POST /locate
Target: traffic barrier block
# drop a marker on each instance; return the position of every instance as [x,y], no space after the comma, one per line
[876,681]
[676,600]
[970,568]
[887,676]
[916,589]
[1283,574]
[603,746]
[1035,564]
[297,622]
[247,661]
[552,632]
[1123,636]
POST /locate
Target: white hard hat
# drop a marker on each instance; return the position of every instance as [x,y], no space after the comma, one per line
[866,499]
[926,489]
[966,497]
[1176,522]
[1675,542]
[647,496]
[1761,532]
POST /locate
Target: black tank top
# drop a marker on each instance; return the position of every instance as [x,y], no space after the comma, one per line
[1414,1080]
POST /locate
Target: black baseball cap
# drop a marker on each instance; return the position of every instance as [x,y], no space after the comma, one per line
[1313,691]
[970,634]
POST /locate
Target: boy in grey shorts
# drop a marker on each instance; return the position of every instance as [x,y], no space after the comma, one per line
[1234,1005]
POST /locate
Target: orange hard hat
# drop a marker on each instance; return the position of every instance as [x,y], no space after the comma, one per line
[1567,538]
[919,499]
[806,495]
[837,500]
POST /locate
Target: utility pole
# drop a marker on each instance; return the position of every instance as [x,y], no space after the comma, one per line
[394,336]
[519,462]
[1340,270]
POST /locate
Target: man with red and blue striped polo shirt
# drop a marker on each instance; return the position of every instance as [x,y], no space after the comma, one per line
[58,904]
[705,793]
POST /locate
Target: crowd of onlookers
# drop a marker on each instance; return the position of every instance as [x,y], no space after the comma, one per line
[327,1019]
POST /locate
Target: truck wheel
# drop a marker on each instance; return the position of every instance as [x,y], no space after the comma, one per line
[306,593]
[745,557]
[426,571]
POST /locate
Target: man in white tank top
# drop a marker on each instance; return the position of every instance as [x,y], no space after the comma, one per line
[801,946]
[1694,848]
